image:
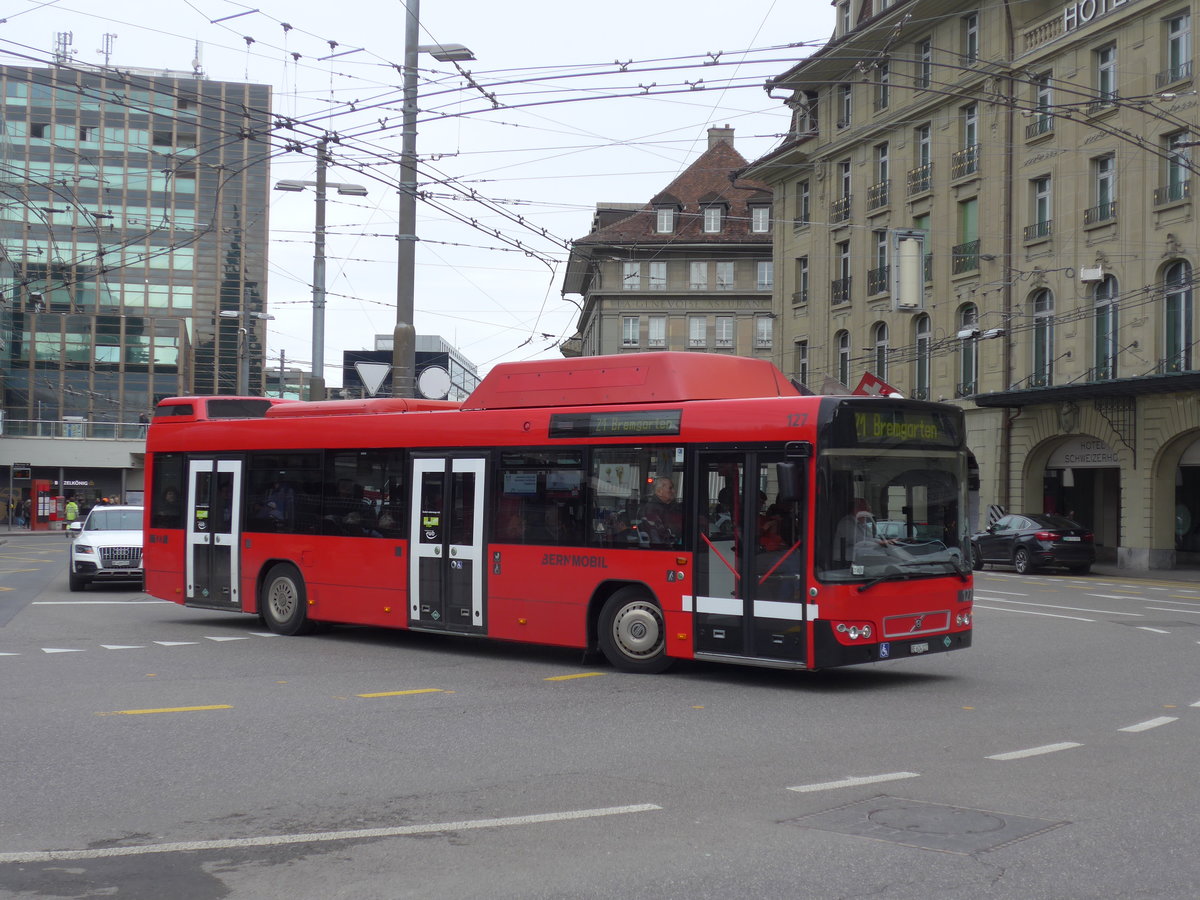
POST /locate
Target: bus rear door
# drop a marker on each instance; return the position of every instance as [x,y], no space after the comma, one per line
[214,523]
[446,548]
[749,561]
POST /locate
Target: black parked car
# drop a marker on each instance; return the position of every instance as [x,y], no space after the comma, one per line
[1034,540]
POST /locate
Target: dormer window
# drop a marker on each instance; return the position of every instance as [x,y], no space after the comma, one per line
[712,220]
[664,222]
[760,219]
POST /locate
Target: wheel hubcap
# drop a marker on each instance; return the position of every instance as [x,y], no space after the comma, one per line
[637,630]
[282,599]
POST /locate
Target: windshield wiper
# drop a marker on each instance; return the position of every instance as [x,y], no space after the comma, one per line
[900,576]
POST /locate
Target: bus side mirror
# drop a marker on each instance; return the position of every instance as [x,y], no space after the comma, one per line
[788,474]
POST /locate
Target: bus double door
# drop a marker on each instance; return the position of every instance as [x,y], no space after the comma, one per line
[213,526]
[749,561]
[446,556]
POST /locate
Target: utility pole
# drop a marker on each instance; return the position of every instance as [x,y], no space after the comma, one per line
[404,337]
[316,389]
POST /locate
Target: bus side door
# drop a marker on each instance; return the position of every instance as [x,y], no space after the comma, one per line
[750,560]
[446,546]
[214,523]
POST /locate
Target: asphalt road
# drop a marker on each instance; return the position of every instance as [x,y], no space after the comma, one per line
[152,752]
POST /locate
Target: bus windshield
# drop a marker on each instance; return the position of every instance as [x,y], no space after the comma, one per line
[894,514]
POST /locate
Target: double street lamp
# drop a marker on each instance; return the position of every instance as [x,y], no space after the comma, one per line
[317,379]
[404,340]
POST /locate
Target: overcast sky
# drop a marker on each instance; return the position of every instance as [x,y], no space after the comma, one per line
[544,125]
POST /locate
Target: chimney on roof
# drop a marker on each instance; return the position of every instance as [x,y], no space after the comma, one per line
[716,135]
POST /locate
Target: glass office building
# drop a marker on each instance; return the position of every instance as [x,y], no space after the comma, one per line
[133,213]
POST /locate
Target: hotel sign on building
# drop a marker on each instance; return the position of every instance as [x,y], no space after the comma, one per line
[1076,15]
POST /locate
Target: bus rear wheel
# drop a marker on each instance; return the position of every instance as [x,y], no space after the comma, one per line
[633,633]
[284,601]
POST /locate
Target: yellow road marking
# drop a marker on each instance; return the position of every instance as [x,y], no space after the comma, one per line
[402,693]
[167,709]
[569,677]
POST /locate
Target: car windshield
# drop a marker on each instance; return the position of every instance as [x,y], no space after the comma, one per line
[114,520]
[890,515]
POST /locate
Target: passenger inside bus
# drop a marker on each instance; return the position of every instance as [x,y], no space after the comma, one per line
[662,515]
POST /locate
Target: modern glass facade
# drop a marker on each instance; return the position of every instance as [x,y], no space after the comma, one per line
[133,211]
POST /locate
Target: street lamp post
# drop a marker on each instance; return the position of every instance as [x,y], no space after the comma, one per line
[243,386]
[317,379]
[404,339]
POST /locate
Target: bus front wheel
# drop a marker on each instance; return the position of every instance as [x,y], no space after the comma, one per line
[284,601]
[632,632]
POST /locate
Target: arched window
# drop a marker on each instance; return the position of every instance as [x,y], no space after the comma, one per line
[924,337]
[842,338]
[880,340]
[1106,349]
[1043,339]
[968,351]
[1177,307]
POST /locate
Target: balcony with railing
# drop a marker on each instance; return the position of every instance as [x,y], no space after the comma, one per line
[920,179]
[839,290]
[965,162]
[839,210]
[799,298]
[1100,214]
[1181,72]
[920,393]
[877,195]
[1103,105]
[877,280]
[964,257]
[1176,192]
[965,389]
[1039,231]
[1041,126]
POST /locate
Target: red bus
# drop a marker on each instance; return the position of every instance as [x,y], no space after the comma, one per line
[653,506]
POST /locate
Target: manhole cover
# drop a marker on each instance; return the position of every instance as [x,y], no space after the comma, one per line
[930,826]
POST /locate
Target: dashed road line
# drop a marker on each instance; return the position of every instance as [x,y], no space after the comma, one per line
[318,837]
[1154,630]
[1030,612]
[1149,723]
[853,781]
[1035,751]
[166,709]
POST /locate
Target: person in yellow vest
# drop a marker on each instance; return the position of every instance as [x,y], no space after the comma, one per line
[71,510]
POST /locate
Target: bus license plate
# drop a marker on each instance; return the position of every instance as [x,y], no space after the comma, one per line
[919,647]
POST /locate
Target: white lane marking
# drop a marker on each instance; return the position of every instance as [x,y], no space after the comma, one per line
[1117,597]
[94,602]
[1057,606]
[315,837]
[1155,630]
[853,781]
[10,654]
[1190,612]
[61,650]
[123,646]
[1149,723]
[1030,612]
[176,643]
[1177,602]
[265,634]
[1197,703]
[227,638]
[1009,593]
[1035,751]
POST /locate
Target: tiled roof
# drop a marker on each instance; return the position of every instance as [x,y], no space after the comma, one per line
[705,182]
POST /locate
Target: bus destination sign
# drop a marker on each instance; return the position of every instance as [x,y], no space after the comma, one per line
[631,423]
[900,427]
